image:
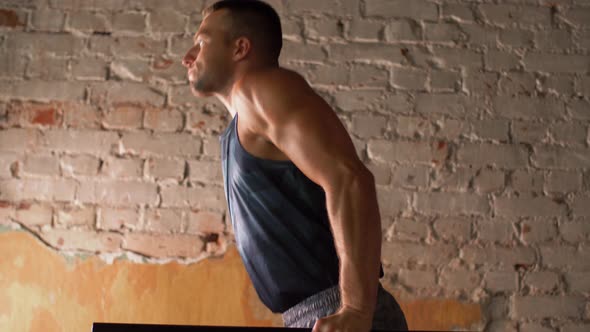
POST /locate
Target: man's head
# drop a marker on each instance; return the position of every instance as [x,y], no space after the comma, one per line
[232,32]
[255,20]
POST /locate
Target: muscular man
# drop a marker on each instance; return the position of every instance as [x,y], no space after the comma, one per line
[303,206]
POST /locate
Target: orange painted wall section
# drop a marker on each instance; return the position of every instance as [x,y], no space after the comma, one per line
[43,291]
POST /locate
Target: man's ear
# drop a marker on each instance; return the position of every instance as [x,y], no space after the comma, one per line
[242,47]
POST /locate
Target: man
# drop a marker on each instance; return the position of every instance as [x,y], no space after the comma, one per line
[303,206]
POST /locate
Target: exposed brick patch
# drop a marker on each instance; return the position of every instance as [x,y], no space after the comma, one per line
[9,18]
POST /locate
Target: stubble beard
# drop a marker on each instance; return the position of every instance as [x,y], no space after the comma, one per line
[202,86]
[207,83]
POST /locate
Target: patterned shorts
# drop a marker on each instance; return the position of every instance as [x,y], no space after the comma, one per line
[388,314]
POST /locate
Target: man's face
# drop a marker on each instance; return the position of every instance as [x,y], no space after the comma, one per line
[209,61]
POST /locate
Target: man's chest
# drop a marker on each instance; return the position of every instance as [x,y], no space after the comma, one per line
[248,132]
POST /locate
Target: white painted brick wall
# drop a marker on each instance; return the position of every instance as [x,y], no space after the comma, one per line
[474,117]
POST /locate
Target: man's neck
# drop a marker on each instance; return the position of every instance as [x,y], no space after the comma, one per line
[227,96]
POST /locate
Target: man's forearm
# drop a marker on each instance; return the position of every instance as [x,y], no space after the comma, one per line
[354,216]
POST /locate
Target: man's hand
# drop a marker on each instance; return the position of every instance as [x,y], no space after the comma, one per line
[345,320]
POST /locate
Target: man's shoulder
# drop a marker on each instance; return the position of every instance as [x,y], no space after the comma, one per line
[273,90]
[271,94]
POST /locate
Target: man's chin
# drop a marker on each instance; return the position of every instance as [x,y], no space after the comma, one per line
[199,93]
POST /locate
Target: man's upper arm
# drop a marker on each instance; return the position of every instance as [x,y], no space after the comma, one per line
[305,128]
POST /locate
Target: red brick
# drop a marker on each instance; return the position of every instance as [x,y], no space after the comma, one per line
[27,114]
[10,18]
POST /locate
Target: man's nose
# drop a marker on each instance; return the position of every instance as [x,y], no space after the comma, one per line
[188,60]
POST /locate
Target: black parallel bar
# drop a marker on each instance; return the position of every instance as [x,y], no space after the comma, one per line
[112,327]
[115,327]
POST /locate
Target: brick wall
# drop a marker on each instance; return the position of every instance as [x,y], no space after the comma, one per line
[473,115]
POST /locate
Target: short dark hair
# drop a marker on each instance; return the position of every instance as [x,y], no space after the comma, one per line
[256,20]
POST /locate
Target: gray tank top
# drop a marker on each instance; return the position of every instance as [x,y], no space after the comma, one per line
[280,223]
